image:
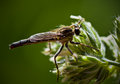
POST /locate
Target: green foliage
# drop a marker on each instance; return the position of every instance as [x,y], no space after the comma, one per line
[92,66]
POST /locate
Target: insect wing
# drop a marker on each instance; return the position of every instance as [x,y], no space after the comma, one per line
[44,37]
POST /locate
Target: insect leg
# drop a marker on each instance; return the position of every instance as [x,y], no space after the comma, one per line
[57,53]
[83,45]
[66,45]
[49,45]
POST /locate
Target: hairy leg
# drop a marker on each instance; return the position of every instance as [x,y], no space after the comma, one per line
[83,45]
[49,45]
[57,53]
[66,45]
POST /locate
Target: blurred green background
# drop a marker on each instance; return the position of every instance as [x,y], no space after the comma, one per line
[21,18]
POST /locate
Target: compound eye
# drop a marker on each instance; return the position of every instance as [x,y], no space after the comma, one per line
[77,31]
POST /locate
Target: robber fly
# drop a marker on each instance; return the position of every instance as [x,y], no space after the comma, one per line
[63,35]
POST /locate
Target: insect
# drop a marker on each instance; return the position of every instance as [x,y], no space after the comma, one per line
[63,35]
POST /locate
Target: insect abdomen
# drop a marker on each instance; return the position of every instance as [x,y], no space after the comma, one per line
[19,43]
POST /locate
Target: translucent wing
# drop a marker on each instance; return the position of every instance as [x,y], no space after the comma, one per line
[44,37]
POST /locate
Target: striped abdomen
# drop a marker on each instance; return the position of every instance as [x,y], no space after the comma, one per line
[19,43]
[37,38]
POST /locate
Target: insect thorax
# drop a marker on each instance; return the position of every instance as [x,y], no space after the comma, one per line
[65,34]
